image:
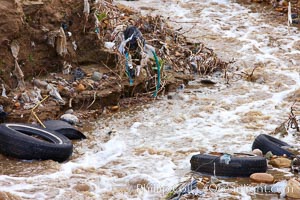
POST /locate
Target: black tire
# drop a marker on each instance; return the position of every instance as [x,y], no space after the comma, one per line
[239,166]
[16,140]
[268,143]
[64,128]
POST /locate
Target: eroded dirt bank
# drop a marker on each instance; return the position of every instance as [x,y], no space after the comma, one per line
[61,45]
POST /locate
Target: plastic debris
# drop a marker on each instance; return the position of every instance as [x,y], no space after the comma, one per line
[187,189]
[70,118]
[86,7]
[39,83]
[24,97]
[54,93]
[61,43]
[279,187]
[109,45]
[38,92]
[74,45]
[3,91]
[121,48]
[226,158]
[78,74]
[135,34]
[32,44]
[86,12]
[15,48]
[148,49]
[67,68]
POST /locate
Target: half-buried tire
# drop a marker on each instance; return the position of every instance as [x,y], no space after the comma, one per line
[268,143]
[32,143]
[64,128]
[240,165]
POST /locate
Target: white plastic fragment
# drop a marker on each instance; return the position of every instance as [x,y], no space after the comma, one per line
[74,45]
[3,91]
[123,44]
[25,97]
[148,49]
[54,93]
[39,83]
[38,92]
[226,158]
[109,45]
[15,48]
[279,187]
[70,118]
[67,68]
[86,7]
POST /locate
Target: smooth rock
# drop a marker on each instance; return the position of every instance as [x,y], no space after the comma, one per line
[292,189]
[82,187]
[262,178]
[72,119]
[70,111]
[80,87]
[269,155]
[257,152]
[281,162]
[97,76]
[200,185]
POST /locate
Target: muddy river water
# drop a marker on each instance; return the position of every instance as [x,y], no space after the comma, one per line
[152,145]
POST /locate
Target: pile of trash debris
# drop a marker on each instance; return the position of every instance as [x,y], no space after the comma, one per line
[89,55]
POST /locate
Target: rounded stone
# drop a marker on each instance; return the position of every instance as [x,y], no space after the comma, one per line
[262,178]
[97,76]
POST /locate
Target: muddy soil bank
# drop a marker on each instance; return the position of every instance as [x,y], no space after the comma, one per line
[56,41]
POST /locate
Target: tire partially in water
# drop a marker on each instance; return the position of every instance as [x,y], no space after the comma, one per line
[239,166]
[29,142]
[64,128]
[268,143]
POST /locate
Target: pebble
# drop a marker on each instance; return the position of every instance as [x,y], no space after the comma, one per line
[70,111]
[292,189]
[262,178]
[200,185]
[269,155]
[114,108]
[281,162]
[72,119]
[257,152]
[80,87]
[82,187]
[97,76]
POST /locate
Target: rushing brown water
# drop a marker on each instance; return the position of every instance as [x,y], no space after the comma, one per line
[153,145]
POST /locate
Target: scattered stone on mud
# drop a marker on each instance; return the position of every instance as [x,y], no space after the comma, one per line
[262,178]
[280,162]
